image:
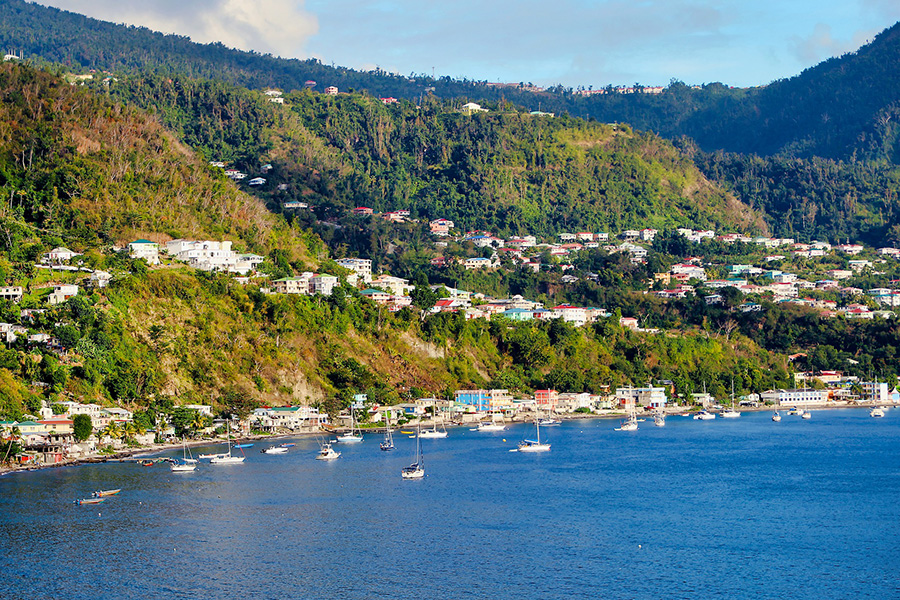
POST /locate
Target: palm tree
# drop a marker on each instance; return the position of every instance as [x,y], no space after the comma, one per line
[198,422]
[113,430]
[12,441]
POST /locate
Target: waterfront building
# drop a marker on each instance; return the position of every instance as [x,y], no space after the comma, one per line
[795,397]
[642,396]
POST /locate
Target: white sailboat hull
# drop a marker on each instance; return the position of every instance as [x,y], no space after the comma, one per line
[535,447]
[432,434]
[350,439]
[183,468]
[491,427]
[227,460]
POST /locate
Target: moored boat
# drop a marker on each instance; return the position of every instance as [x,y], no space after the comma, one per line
[704,415]
[326,452]
[417,469]
[535,445]
[105,493]
[877,412]
[776,417]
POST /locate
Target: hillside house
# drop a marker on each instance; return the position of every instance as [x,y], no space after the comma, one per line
[361,266]
[61,293]
[13,293]
[59,255]
[331,90]
[145,249]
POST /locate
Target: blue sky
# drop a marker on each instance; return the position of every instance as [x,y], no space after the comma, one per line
[572,42]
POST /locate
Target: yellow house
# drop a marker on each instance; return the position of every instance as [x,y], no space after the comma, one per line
[58,425]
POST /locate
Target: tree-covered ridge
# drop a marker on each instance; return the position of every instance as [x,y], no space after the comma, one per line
[812,198]
[80,168]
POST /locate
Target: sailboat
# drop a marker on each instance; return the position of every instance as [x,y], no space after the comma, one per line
[355,434]
[434,432]
[549,420]
[388,444]
[730,413]
[187,464]
[806,414]
[534,445]
[227,458]
[631,423]
[659,417]
[776,417]
[492,425]
[417,469]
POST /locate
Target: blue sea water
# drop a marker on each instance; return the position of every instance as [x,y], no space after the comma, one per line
[742,508]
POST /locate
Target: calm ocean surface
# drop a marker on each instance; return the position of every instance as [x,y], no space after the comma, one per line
[742,508]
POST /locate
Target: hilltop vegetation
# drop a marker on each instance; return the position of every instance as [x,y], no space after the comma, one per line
[505,170]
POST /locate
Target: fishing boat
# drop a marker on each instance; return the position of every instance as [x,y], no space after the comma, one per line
[388,443]
[326,452]
[776,417]
[354,435]
[417,469]
[534,445]
[90,501]
[877,412]
[704,415]
[228,458]
[105,493]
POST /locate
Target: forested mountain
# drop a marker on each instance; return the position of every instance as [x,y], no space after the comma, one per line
[81,169]
[504,170]
[843,108]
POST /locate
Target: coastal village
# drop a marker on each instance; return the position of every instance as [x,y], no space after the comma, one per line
[49,438]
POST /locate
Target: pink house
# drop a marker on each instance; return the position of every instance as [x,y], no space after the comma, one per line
[547,399]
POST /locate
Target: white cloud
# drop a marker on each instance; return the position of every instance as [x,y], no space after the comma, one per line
[281,27]
[821,44]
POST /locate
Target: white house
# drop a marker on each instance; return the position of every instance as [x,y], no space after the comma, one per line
[361,266]
[60,255]
[100,279]
[13,293]
[61,293]
[145,249]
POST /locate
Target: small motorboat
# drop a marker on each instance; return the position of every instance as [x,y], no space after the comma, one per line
[275,450]
[90,501]
[243,446]
[704,415]
[877,412]
[105,493]
[146,463]
[327,452]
